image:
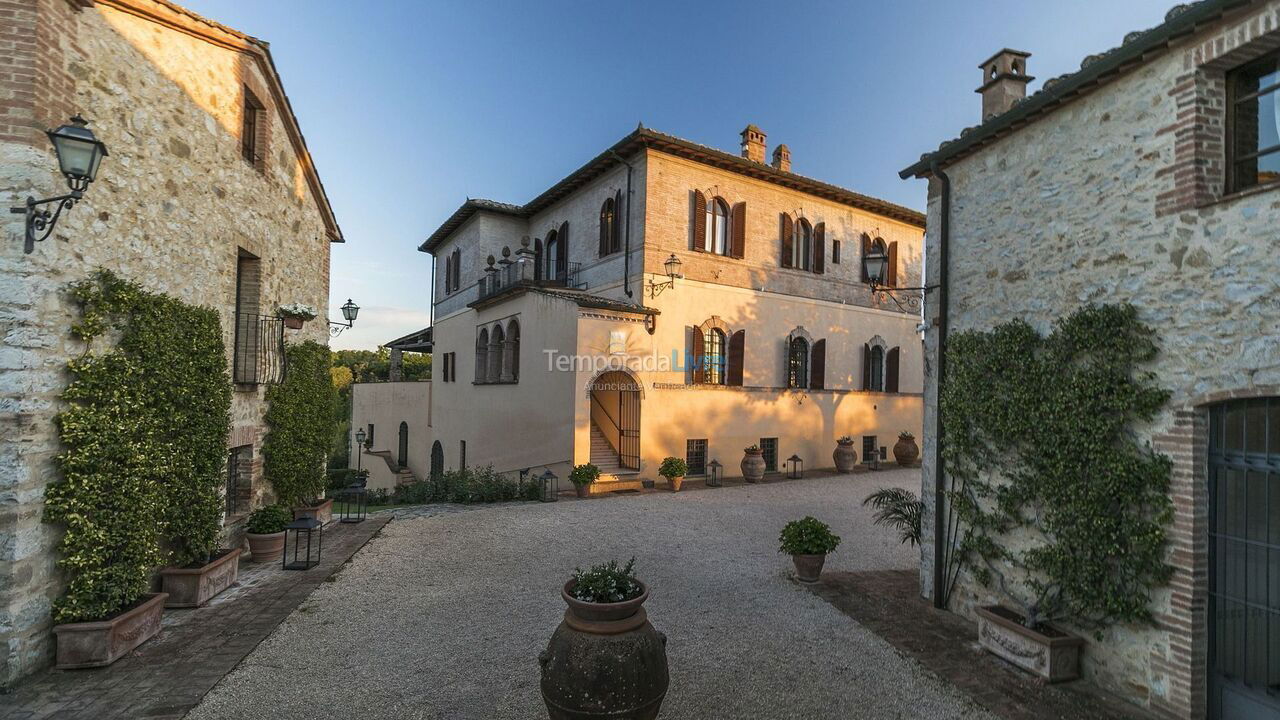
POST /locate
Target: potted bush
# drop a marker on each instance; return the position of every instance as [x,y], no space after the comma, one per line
[752,464]
[846,458]
[605,660]
[905,451]
[265,531]
[673,469]
[295,314]
[808,541]
[898,509]
[300,422]
[582,476]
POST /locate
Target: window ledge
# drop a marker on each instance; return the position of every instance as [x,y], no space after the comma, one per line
[496,382]
[1240,194]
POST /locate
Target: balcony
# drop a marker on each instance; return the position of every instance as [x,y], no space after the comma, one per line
[517,274]
[258,356]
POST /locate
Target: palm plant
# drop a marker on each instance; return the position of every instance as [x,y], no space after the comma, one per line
[898,509]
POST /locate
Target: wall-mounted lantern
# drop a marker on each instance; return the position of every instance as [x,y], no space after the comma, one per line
[875,266]
[349,312]
[79,154]
[672,268]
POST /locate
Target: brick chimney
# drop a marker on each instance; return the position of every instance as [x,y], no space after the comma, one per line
[782,158]
[1004,81]
[753,144]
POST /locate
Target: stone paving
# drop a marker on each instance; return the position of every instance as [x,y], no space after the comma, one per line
[169,674]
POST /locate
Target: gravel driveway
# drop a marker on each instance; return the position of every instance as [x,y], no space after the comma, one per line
[443,617]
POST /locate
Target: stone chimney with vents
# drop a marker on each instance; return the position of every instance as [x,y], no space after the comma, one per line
[782,158]
[753,144]
[1004,81]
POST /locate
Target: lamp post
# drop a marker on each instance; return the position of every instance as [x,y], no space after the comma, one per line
[672,268]
[79,154]
[349,312]
[360,436]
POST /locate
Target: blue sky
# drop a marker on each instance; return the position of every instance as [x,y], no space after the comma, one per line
[409,107]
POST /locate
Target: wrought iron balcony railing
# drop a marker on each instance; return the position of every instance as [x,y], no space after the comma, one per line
[503,277]
[258,356]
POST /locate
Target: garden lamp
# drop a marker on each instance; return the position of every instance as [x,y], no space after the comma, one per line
[715,473]
[550,486]
[795,467]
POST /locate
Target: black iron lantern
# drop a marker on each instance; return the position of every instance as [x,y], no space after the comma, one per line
[355,498]
[307,535]
[795,467]
[715,474]
[349,312]
[874,264]
[672,266]
[79,153]
[550,486]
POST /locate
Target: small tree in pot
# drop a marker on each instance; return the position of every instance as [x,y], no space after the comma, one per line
[265,531]
[582,476]
[674,469]
[808,541]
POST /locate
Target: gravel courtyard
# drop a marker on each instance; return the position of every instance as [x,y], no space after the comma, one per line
[443,617]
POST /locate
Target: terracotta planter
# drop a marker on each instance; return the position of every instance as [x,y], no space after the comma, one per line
[94,644]
[753,466]
[845,456]
[906,452]
[293,323]
[266,547]
[583,490]
[676,483]
[808,567]
[323,512]
[1048,652]
[605,660]
[193,587]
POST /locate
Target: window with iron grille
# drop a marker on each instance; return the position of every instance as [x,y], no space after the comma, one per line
[869,448]
[770,448]
[695,456]
[239,490]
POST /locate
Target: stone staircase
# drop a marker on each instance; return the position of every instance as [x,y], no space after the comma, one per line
[612,475]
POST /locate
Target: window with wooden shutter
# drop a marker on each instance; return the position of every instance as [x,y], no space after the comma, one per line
[738,226]
[699,221]
[617,222]
[562,253]
[866,250]
[891,275]
[538,260]
[606,227]
[696,359]
[819,248]
[787,228]
[797,362]
[891,371]
[717,227]
[835,252]
[866,364]
[818,365]
[737,348]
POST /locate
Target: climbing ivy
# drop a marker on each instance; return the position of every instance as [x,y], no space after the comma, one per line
[300,425]
[1063,506]
[144,434]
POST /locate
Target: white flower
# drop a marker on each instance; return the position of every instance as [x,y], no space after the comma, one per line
[306,312]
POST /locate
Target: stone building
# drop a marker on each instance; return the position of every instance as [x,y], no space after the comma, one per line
[1149,177]
[209,195]
[670,299]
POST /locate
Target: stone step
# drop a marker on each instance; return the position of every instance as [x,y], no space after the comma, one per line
[609,482]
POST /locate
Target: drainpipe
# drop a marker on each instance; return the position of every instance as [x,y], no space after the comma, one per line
[940,592]
[626,250]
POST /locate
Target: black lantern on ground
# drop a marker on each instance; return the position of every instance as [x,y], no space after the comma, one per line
[355,501]
[307,536]
[349,312]
[79,154]
[550,486]
[715,474]
[795,467]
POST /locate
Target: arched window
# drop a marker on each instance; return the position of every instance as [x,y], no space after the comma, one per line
[608,227]
[402,456]
[798,363]
[482,355]
[511,361]
[713,357]
[717,227]
[876,358]
[549,252]
[802,246]
[437,460]
[497,349]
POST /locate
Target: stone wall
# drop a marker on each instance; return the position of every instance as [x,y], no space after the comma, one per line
[1092,203]
[174,205]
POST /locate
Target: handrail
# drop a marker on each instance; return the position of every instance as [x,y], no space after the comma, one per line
[607,415]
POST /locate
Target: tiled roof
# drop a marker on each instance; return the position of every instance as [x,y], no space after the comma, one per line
[416,341]
[1095,70]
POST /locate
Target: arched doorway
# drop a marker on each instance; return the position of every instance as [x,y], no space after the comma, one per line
[615,422]
[402,454]
[437,460]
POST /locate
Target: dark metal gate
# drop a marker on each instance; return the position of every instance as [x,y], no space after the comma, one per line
[1244,560]
[437,460]
[629,429]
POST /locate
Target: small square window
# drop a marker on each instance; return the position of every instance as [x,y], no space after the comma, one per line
[770,448]
[696,456]
[870,449]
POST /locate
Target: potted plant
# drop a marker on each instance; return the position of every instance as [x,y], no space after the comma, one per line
[195,583]
[673,469]
[96,643]
[808,541]
[321,509]
[899,509]
[582,476]
[265,531]
[752,464]
[1041,647]
[846,458]
[905,451]
[295,314]
[605,660]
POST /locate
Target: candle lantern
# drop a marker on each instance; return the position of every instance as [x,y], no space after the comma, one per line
[795,467]
[307,536]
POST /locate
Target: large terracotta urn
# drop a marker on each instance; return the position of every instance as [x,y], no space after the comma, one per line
[753,465]
[845,456]
[905,451]
[605,660]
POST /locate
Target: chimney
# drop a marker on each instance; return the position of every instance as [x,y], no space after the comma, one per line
[753,144]
[1004,81]
[782,158]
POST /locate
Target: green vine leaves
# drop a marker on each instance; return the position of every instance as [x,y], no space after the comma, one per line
[300,425]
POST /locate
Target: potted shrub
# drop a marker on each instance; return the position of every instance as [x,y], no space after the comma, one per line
[846,458]
[320,508]
[300,422]
[752,464]
[898,509]
[265,531]
[582,476]
[808,541]
[605,660]
[295,314]
[905,451]
[673,469]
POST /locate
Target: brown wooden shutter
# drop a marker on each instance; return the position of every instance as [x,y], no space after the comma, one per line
[788,232]
[891,371]
[699,221]
[866,367]
[819,248]
[617,222]
[606,223]
[891,277]
[818,365]
[738,226]
[562,247]
[737,347]
[448,275]
[696,358]
[866,250]
[835,252]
